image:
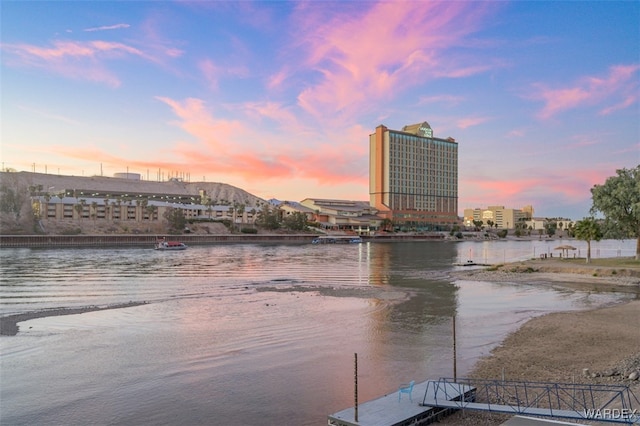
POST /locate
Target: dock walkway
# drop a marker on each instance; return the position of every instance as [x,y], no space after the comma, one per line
[388,411]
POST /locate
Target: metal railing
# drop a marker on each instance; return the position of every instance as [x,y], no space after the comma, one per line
[597,402]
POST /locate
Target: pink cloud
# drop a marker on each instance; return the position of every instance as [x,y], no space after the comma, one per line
[471,121]
[63,49]
[271,110]
[80,60]
[211,73]
[276,80]
[196,120]
[620,81]
[235,148]
[568,186]
[377,51]
[625,103]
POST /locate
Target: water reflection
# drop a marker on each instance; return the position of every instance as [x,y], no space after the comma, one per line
[275,324]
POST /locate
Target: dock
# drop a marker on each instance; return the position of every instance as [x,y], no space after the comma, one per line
[388,411]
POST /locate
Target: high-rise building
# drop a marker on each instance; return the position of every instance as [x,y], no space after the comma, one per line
[413,177]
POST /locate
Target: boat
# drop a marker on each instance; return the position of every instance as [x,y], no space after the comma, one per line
[470,263]
[336,239]
[169,245]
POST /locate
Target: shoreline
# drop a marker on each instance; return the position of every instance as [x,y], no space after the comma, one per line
[594,346]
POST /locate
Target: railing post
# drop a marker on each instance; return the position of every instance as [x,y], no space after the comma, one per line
[355,388]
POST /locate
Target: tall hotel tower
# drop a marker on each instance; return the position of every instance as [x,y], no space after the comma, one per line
[413,177]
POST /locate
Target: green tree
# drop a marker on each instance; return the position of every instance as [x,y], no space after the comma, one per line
[588,230]
[618,199]
[175,218]
[550,227]
[267,218]
[12,200]
[296,221]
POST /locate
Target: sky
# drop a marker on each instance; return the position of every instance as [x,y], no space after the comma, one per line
[279,98]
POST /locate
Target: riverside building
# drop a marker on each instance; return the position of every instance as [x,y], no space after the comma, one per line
[498,216]
[413,177]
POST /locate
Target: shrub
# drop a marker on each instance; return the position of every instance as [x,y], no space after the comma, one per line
[72,231]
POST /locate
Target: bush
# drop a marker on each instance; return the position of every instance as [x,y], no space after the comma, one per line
[73,231]
[249,230]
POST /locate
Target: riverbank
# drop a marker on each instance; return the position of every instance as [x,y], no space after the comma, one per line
[595,346]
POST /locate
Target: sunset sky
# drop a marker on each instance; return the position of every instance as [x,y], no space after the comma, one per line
[279,98]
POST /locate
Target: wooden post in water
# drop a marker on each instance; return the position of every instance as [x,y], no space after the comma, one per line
[455,367]
[355,389]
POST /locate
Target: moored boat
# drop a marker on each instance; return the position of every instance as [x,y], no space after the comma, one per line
[336,239]
[169,245]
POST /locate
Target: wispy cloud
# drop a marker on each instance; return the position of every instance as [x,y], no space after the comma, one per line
[380,49]
[588,91]
[78,60]
[450,100]
[516,133]
[211,73]
[463,123]
[49,115]
[107,28]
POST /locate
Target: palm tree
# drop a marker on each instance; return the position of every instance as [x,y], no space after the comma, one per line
[240,208]
[80,207]
[94,214]
[209,205]
[106,208]
[587,230]
[151,211]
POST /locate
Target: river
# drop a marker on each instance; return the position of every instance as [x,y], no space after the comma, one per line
[247,334]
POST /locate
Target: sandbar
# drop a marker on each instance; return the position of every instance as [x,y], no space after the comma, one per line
[9,324]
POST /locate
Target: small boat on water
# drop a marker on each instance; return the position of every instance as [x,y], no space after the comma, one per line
[169,245]
[336,239]
[470,263]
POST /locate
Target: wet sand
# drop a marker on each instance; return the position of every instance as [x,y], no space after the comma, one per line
[558,347]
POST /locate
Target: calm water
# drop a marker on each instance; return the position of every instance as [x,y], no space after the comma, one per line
[251,334]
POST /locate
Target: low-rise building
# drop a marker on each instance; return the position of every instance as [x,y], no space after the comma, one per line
[122,209]
[497,216]
[343,215]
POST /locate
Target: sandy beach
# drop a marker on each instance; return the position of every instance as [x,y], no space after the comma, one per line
[558,347]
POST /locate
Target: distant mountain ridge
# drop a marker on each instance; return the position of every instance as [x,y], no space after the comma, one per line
[222,193]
